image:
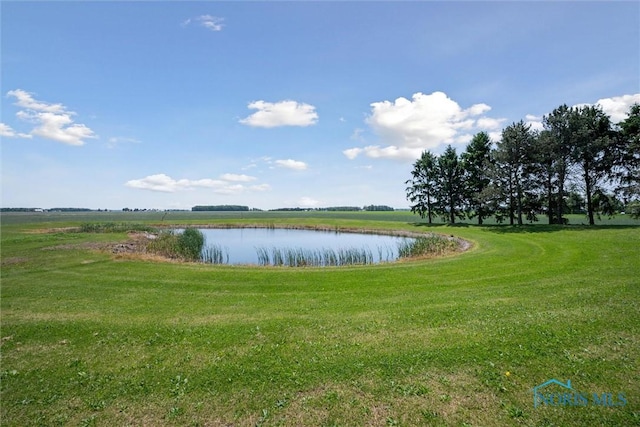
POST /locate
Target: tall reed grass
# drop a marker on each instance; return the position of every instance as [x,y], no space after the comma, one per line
[300,257]
[425,246]
[215,254]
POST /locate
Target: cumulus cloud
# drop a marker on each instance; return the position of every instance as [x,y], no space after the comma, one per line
[534,121]
[352,153]
[425,122]
[283,113]
[237,177]
[25,99]
[618,107]
[291,164]
[212,23]
[7,131]
[51,121]
[164,183]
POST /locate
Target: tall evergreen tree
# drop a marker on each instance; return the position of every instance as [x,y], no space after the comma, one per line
[628,160]
[476,161]
[451,185]
[512,156]
[422,188]
[559,133]
[590,136]
[544,166]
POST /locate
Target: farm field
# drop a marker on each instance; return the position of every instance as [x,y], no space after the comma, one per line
[93,338]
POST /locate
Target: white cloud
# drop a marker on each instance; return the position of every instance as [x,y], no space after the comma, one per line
[352,153]
[60,127]
[425,122]
[209,22]
[25,100]
[283,113]
[237,178]
[260,187]
[534,121]
[212,23]
[52,121]
[357,134]
[388,152]
[308,202]
[495,136]
[487,123]
[618,107]
[292,164]
[164,183]
[7,132]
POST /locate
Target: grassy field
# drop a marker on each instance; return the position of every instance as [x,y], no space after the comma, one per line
[90,338]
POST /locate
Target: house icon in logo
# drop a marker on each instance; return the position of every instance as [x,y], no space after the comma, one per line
[537,390]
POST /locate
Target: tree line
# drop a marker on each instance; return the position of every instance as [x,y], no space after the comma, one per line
[579,154]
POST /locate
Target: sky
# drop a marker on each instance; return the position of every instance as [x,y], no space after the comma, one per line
[168,105]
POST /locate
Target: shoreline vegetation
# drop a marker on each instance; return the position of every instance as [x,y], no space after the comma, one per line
[189,245]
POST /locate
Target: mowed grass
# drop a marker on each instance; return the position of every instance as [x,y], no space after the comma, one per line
[90,338]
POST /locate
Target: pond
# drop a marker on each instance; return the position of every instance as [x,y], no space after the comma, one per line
[295,247]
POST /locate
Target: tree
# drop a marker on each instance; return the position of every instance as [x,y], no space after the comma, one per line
[543,163]
[423,186]
[450,189]
[512,157]
[559,137]
[628,160]
[590,137]
[476,161]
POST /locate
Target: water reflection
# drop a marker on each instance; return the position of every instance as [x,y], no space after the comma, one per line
[293,247]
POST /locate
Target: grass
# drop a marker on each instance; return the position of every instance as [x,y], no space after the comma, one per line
[89,338]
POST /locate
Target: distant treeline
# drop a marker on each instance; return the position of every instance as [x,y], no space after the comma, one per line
[234,208]
[338,209]
[47,210]
[378,208]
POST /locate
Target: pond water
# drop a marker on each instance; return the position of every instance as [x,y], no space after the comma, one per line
[292,247]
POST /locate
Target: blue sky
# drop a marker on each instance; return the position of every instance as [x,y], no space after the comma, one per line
[284,104]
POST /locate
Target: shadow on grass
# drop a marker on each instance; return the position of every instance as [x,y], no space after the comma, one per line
[550,228]
[529,228]
[440,225]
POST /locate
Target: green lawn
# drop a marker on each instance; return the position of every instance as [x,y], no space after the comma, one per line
[92,339]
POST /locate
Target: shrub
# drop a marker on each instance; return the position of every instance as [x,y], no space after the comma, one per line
[190,243]
[186,245]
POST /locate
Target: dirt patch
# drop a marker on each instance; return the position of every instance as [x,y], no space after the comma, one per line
[53,230]
[71,246]
[136,243]
[14,260]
